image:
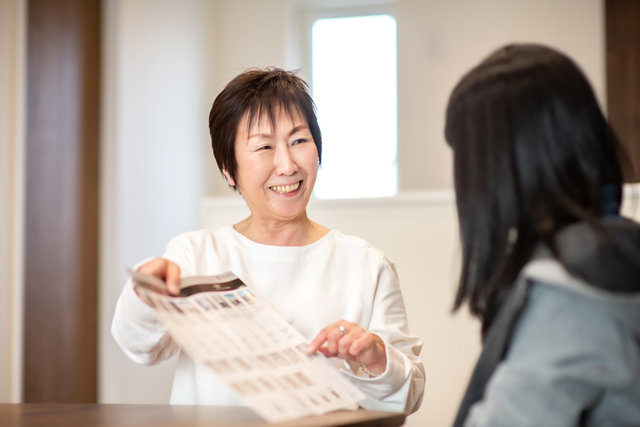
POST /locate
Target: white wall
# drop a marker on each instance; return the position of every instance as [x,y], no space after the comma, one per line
[11,196]
[157,82]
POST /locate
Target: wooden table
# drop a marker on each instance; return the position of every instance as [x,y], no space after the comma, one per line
[102,415]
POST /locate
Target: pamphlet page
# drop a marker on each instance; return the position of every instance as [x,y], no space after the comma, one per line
[220,323]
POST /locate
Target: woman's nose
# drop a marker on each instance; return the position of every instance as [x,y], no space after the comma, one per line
[285,162]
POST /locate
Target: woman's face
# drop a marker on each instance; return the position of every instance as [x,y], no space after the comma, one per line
[276,168]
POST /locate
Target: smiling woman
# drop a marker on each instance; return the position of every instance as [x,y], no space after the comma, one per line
[267,143]
[277,165]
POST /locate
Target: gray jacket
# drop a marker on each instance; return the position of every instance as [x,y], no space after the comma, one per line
[572,354]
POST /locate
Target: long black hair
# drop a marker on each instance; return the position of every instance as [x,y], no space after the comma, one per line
[532,151]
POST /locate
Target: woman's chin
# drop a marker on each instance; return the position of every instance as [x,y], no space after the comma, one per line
[289,208]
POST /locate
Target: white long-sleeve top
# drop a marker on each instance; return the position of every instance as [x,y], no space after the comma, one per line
[336,277]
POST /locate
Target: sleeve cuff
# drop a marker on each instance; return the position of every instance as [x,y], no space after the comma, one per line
[132,304]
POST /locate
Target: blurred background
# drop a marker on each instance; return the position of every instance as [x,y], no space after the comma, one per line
[105,155]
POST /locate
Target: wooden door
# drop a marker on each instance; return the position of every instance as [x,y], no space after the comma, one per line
[61,235]
[623,77]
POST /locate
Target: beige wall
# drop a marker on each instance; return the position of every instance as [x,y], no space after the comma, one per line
[246,33]
[157,87]
[11,184]
[438,40]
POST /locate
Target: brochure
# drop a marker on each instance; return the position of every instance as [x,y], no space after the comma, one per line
[221,324]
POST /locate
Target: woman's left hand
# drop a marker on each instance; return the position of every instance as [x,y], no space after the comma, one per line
[348,341]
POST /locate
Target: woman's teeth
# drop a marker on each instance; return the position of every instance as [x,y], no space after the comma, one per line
[284,189]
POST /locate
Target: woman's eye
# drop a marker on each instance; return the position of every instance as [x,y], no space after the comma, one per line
[266,147]
[300,141]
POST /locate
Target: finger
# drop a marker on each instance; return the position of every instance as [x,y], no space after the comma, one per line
[173,278]
[155,267]
[165,270]
[345,342]
[333,339]
[353,331]
[324,351]
[370,351]
[344,345]
[317,342]
[320,339]
[363,344]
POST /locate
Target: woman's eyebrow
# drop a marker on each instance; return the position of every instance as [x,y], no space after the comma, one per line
[270,135]
[298,129]
[262,135]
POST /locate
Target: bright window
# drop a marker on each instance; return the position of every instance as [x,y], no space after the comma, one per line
[354,83]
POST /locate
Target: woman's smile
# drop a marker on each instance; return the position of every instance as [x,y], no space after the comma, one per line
[287,190]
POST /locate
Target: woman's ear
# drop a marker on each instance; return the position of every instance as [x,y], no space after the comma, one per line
[229,179]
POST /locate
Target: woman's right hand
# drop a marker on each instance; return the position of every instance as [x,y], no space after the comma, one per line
[165,270]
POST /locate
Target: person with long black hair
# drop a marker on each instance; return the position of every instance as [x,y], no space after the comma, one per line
[548,265]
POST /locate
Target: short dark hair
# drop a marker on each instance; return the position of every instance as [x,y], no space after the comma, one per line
[256,92]
[532,151]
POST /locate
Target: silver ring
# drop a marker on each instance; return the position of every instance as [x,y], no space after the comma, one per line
[341,329]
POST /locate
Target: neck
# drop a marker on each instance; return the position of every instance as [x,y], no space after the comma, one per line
[300,231]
